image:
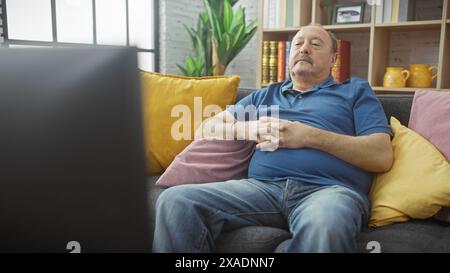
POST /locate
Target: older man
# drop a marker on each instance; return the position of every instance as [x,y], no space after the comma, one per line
[330,138]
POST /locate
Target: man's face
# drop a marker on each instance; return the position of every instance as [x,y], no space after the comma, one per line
[311,53]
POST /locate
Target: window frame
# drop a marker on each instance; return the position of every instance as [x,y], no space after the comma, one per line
[55,43]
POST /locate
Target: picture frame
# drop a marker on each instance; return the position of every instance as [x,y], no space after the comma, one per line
[348,13]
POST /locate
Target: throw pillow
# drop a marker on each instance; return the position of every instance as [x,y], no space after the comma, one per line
[177,105]
[430,114]
[429,117]
[209,161]
[417,185]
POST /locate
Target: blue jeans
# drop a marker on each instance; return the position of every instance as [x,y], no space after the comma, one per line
[321,218]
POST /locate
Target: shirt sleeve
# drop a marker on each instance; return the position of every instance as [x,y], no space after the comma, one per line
[368,113]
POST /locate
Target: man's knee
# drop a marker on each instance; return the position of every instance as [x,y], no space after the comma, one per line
[337,218]
[176,198]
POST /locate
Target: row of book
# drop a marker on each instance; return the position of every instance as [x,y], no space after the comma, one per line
[394,11]
[275,61]
[282,13]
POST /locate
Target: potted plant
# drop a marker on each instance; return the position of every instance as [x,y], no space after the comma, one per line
[220,36]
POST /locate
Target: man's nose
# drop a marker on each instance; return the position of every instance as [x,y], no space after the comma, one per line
[305,49]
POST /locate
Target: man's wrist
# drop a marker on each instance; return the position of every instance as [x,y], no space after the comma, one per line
[316,138]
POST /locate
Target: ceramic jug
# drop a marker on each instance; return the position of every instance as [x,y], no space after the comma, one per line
[421,75]
[395,77]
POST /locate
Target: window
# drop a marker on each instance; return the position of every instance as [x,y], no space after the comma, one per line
[62,23]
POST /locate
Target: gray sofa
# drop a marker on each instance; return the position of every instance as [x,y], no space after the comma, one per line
[413,236]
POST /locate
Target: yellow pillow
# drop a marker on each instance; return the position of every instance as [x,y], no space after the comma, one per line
[417,185]
[162,94]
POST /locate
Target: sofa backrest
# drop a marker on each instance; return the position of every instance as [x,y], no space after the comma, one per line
[398,106]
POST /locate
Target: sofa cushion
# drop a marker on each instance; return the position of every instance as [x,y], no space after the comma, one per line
[430,114]
[429,118]
[243,92]
[398,106]
[252,239]
[413,236]
[153,194]
[206,161]
[175,103]
[417,184]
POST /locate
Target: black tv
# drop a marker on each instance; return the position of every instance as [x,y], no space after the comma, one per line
[72,169]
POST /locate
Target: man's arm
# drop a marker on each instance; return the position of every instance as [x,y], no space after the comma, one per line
[225,126]
[372,152]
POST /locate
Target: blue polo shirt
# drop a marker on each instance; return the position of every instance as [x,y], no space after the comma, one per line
[349,108]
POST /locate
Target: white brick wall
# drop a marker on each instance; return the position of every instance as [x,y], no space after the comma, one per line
[175,44]
[244,64]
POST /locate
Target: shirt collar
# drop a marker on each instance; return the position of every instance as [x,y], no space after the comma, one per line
[288,85]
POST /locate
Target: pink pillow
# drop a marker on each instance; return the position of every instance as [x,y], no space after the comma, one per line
[430,114]
[209,161]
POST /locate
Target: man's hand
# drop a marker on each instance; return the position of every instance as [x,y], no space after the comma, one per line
[282,133]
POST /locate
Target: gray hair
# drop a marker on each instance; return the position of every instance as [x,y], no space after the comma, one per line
[330,34]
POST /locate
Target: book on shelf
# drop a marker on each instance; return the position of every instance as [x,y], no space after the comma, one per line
[283,13]
[394,12]
[273,61]
[265,63]
[288,51]
[379,12]
[289,15]
[270,14]
[281,70]
[387,11]
[296,13]
[341,68]
[407,10]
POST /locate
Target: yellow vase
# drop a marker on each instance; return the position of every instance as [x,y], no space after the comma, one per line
[421,75]
[395,77]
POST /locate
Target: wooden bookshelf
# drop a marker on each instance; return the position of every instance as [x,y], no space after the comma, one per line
[445,58]
[348,28]
[376,46]
[411,25]
[401,90]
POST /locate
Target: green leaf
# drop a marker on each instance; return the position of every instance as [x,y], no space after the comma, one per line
[244,42]
[227,16]
[214,22]
[190,64]
[238,32]
[232,2]
[185,73]
[240,16]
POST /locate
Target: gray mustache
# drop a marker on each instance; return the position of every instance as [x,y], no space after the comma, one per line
[306,59]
